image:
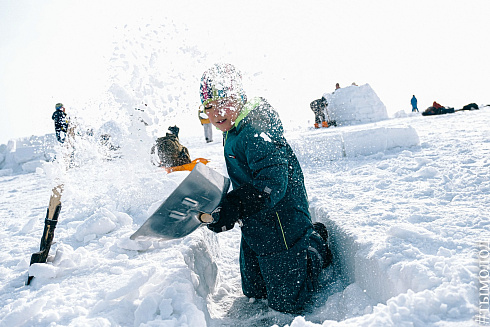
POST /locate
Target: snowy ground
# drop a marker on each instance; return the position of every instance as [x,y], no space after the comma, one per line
[407,224]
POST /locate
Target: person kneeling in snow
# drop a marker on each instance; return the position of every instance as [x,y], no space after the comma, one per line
[281,252]
[169,150]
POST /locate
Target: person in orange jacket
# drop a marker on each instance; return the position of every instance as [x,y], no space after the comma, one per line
[436,105]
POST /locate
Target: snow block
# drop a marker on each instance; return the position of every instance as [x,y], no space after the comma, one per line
[370,141]
[31,166]
[3,151]
[354,105]
[27,154]
[333,144]
[365,142]
[318,148]
[401,137]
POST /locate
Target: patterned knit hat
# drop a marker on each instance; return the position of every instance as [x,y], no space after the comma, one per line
[221,81]
[59,106]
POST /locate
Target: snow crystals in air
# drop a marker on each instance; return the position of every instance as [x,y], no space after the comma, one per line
[405,202]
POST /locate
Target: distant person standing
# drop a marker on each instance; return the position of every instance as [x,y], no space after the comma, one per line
[414,104]
[337,86]
[60,122]
[206,124]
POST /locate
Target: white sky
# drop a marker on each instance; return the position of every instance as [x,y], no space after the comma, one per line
[57,51]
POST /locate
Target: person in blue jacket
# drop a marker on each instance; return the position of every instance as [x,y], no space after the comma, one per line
[282,252]
[414,104]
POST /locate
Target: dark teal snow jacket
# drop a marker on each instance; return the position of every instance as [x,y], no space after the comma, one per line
[256,152]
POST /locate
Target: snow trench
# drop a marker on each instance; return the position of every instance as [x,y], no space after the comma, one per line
[353,261]
[357,275]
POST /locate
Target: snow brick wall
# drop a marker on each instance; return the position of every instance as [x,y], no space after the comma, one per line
[24,155]
[354,105]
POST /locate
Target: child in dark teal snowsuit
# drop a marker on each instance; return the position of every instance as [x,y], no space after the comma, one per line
[281,253]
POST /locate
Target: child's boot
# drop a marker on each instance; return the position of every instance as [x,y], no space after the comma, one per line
[324,124]
[316,125]
[321,229]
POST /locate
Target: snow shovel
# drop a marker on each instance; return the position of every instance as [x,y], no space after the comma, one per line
[49,226]
[189,206]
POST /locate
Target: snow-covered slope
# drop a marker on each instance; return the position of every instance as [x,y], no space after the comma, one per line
[406,221]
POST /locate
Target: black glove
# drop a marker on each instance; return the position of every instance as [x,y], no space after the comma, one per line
[225,216]
[237,205]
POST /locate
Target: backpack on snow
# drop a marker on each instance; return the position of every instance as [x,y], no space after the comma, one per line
[470,106]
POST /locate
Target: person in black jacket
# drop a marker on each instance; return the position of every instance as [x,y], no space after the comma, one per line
[60,122]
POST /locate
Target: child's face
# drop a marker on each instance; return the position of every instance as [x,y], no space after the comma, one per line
[222,113]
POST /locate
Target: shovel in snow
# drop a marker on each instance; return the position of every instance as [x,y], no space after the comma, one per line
[49,226]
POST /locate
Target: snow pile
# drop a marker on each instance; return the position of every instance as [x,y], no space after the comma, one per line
[24,155]
[354,105]
[102,205]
